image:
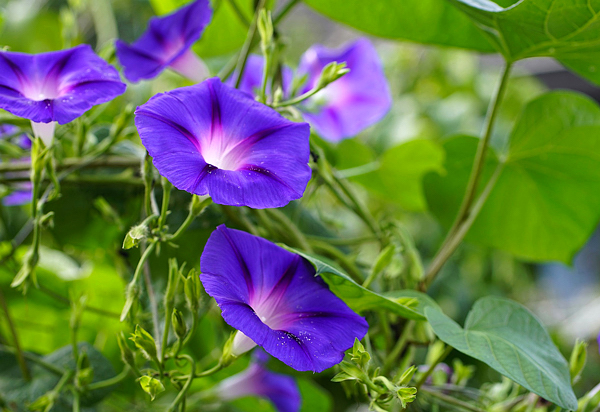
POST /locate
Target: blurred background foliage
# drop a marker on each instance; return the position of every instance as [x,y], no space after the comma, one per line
[437,93]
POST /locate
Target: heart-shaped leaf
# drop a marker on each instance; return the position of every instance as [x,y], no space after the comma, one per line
[545,203]
[509,338]
[568,30]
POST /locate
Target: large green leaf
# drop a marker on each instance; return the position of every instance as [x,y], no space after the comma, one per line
[545,203]
[509,338]
[568,30]
[422,21]
[361,299]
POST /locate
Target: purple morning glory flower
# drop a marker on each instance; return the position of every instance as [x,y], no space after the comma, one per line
[257,380]
[274,299]
[167,43]
[56,86]
[21,193]
[352,103]
[213,139]
[253,76]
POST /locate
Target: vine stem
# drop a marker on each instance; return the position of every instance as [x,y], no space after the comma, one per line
[435,363]
[35,359]
[111,381]
[464,218]
[452,401]
[248,43]
[13,331]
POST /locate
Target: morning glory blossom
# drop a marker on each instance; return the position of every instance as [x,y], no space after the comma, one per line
[55,87]
[213,139]
[257,380]
[166,43]
[352,103]
[274,299]
[21,192]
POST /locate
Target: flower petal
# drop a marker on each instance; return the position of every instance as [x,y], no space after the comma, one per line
[352,103]
[56,86]
[165,40]
[274,298]
[212,139]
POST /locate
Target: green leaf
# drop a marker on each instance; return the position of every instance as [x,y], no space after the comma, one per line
[400,174]
[422,21]
[359,298]
[567,30]
[314,398]
[545,203]
[507,337]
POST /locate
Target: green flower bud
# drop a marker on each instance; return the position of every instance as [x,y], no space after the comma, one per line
[44,403]
[331,73]
[406,376]
[578,359]
[406,395]
[151,386]
[135,235]
[179,325]
[145,343]
[192,290]
[354,371]
[126,353]
[130,298]
[359,354]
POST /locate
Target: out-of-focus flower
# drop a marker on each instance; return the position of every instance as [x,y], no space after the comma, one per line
[252,77]
[56,86]
[352,103]
[257,380]
[212,139]
[274,299]
[345,107]
[21,192]
[166,43]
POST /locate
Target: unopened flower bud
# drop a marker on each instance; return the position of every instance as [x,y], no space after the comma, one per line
[331,73]
[406,395]
[179,325]
[135,235]
[151,386]
[578,359]
[126,353]
[145,343]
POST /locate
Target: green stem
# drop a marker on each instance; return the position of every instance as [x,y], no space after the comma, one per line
[342,241]
[87,163]
[247,46]
[238,12]
[452,401]
[478,165]
[290,228]
[15,337]
[35,359]
[435,363]
[398,347]
[167,187]
[92,309]
[153,305]
[190,378]
[288,7]
[298,99]
[111,381]
[338,255]
[76,401]
[136,275]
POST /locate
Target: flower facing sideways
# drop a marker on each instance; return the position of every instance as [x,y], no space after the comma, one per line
[55,86]
[166,43]
[274,299]
[212,139]
[257,380]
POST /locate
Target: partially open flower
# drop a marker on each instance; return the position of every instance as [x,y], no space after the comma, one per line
[56,86]
[257,380]
[274,299]
[166,43]
[212,139]
[352,103]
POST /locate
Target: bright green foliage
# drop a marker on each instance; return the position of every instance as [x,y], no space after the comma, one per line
[151,386]
[507,337]
[567,30]
[423,21]
[546,201]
